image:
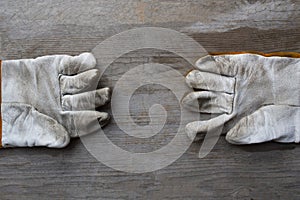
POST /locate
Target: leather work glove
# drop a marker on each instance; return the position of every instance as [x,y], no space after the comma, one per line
[253,98]
[50,99]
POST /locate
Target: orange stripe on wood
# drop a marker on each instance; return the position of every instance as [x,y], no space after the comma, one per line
[280,54]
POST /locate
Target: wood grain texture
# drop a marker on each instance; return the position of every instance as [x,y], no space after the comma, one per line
[34,28]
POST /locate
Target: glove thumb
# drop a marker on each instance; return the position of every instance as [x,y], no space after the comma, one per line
[24,126]
[275,122]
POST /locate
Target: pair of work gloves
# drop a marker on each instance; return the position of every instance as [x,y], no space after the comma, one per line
[253,98]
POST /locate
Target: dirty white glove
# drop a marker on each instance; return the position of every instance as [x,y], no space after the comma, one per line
[257,98]
[48,100]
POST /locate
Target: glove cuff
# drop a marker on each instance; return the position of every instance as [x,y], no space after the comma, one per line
[279,54]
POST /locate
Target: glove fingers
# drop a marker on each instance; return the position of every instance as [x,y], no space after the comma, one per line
[87,100]
[71,65]
[279,123]
[216,64]
[209,81]
[79,83]
[81,123]
[208,102]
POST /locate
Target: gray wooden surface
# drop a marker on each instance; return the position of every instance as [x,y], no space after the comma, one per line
[34,28]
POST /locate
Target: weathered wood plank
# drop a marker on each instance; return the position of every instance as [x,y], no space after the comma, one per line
[36,28]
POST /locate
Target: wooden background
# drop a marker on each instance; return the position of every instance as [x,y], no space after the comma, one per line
[34,28]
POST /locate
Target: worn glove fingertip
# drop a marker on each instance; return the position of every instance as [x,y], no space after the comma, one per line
[88,60]
[190,131]
[240,134]
[104,119]
[61,142]
[232,137]
[191,78]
